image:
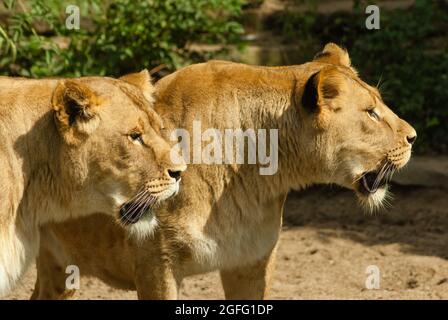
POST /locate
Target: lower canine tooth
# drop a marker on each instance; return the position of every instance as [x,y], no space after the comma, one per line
[364,182]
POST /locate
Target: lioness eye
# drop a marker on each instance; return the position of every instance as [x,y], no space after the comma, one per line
[373,114]
[136,136]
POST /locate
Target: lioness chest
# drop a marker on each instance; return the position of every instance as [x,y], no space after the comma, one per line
[232,236]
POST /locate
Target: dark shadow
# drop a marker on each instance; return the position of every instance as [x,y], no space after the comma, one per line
[417,217]
[33,149]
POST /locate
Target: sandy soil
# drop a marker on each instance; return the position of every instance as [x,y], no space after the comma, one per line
[328,243]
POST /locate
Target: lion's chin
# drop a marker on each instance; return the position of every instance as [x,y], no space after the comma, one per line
[372,186]
[143,228]
[138,217]
[374,200]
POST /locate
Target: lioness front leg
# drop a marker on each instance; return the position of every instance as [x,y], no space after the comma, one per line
[250,282]
[51,277]
[155,278]
[157,283]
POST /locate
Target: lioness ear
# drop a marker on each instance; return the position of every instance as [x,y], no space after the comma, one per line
[333,54]
[76,107]
[141,80]
[318,92]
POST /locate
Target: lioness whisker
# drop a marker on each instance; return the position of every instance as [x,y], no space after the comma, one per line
[147,205]
[144,206]
[139,193]
[380,175]
[139,208]
[136,202]
[136,205]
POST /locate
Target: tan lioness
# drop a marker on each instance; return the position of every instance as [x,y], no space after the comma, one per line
[74,147]
[332,128]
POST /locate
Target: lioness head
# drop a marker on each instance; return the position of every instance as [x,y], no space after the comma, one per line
[114,151]
[358,141]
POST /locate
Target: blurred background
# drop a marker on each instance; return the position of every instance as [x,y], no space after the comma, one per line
[407,56]
[328,241]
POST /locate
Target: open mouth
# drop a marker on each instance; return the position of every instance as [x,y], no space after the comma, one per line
[371,181]
[131,212]
[143,202]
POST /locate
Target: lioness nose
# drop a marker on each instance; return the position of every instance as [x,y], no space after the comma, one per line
[408,131]
[411,138]
[174,174]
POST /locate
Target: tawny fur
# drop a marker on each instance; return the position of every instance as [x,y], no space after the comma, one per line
[65,153]
[228,217]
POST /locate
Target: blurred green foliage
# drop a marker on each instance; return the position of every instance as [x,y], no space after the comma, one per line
[115,37]
[408,56]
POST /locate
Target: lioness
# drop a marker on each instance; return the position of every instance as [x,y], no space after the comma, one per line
[332,128]
[75,147]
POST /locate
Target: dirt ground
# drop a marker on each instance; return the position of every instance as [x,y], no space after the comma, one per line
[327,244]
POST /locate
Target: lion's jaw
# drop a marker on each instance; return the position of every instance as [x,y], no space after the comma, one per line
[372,184]
[147,223]
[137,214]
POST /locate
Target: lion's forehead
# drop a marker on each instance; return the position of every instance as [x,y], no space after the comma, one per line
[122,95]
